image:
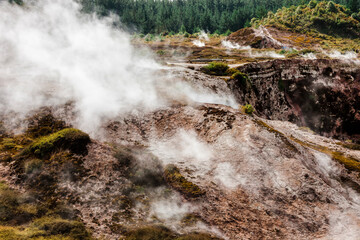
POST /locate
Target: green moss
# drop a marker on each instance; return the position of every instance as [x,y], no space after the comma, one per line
[11,145]
[174,178]
[242,80]
[62,227]
[351,146]
[12,208]
[17,233]
[282,136]
[231,71]
[349,163]
[216,68]
[150,233]
[163,233]
[69,138]
[67,231]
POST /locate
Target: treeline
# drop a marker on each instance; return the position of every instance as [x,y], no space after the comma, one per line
[215,16]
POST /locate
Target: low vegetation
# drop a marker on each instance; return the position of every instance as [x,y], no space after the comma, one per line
[22,217]
[216,68]
[176,180]
[163,233]
[349,163]
[43,124]
[69,138]
[248,109]
[325,17]
[242,80]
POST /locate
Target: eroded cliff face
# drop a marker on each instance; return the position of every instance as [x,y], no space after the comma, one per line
[321,94]
[236,176]
[259,179]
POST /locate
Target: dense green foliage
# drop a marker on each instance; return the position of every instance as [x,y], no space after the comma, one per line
[161,16]
[314,18]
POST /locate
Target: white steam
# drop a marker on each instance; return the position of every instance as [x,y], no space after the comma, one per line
[198,43]
[267,54]
[231,45]
[347,56]
[203,37]
[51,54]
[171,209]
[311,56]
[183,148]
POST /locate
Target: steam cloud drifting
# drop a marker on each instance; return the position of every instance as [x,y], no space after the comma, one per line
[51,53]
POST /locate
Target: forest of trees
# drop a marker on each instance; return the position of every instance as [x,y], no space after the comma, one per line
[215,16]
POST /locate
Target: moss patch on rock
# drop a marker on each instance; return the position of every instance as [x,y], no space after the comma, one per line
[150,233]
[216,68]
[163,233]
[69,138]
[53,226]
[176,180]
[349,163]
[14,209]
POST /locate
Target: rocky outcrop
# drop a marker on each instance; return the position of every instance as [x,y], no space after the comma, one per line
[255,38]
[321,94]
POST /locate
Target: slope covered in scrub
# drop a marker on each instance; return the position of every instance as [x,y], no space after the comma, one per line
[315,18]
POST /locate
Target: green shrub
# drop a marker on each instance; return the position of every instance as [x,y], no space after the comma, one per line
[217,68]
[227,33]
[312,4]
[248,109]
[174,178]
[356,16]
[331,7]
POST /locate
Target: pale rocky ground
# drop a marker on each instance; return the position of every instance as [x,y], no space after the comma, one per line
[259,184]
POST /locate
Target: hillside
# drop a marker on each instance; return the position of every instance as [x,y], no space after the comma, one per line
[106,135]
[328,22]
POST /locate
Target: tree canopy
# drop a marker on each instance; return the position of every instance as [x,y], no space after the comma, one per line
[215,16]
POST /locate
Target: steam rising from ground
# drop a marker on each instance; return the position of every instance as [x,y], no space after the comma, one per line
[347,56]
[231,45]
[202,37]
[51,54]
[268,54]
[198,43]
